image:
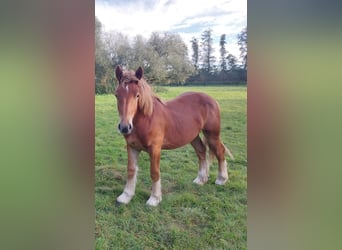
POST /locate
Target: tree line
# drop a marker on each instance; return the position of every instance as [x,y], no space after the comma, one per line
[164,57]
[227,70]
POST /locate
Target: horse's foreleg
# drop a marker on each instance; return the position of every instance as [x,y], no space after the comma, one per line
[132,169]
[156,194]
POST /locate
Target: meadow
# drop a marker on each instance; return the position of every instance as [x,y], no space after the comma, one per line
[189,216]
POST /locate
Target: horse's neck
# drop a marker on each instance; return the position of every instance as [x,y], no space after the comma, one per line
[157,105]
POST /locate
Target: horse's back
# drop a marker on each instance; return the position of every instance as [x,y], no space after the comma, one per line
[192,99]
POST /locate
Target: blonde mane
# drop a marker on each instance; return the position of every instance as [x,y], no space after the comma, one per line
[145,101]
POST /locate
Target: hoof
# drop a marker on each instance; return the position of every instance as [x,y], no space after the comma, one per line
[153,201]
[200,180]
[124,198]
[221,181]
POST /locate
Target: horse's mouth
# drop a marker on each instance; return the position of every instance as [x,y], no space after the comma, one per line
[125,129]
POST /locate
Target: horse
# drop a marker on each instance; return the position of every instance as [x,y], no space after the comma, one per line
[151,125]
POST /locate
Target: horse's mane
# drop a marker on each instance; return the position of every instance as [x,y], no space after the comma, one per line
[145,101]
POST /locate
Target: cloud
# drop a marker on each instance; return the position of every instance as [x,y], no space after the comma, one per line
[188,18]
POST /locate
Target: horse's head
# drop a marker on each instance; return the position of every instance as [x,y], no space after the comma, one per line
[127,94]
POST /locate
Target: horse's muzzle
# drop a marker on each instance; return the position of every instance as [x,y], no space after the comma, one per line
[125,128]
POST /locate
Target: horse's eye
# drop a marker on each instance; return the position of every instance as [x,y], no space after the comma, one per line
[138,95]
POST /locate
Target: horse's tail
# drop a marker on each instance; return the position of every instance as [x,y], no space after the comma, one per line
[212,154]
[229,153]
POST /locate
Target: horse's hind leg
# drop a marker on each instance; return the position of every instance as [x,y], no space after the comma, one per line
[218,149]
[203,170]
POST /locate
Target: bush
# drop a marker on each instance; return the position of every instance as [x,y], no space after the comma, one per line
[100,89]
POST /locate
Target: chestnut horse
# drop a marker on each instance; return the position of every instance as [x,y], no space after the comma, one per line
[150,125]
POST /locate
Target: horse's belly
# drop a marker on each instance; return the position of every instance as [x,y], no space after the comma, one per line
[177,140]
[168,145]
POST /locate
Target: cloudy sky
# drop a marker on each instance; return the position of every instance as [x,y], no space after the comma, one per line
[189,18]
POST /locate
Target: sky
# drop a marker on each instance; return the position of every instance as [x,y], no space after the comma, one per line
[188,18]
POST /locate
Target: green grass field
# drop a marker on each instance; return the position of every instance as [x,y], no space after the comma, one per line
[189,216]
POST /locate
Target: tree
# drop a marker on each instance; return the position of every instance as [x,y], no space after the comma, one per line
[232,60]
[223,53]
[195,52]
[242,42]
[208,59]
[103,72]
[143,54]
[118,48]
[178,65]
[173,52]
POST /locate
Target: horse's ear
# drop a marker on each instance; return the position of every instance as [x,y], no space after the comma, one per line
[139,73]
[118,73]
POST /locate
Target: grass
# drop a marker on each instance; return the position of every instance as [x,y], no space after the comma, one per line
[190,216]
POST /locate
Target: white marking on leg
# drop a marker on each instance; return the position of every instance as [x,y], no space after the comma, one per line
[203,173]
[129,190]
[222,177]
[156,194]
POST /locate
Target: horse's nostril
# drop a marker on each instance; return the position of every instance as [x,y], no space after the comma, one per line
[129,126]
[119,127]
